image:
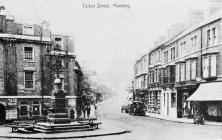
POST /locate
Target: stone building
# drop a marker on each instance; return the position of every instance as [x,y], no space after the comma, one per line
[30,59]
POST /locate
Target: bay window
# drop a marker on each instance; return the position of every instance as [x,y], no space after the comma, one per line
[213,65]
[177,72]
[188,70]
[209,66]
[193,69]
[182,71]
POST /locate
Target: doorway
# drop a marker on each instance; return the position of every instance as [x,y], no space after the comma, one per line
[2,113]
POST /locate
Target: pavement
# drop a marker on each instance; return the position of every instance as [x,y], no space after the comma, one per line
[180,120]
[5,132]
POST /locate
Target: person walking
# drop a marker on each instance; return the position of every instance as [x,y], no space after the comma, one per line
[84,112]
[88,109]
[93,112]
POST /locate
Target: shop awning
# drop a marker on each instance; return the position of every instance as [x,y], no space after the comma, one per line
[207,92]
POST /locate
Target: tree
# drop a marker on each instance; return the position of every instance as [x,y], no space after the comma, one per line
[84,94]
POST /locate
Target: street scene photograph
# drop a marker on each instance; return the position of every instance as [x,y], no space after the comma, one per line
[111,69]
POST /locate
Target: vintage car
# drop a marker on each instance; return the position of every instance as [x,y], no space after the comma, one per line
[137,108]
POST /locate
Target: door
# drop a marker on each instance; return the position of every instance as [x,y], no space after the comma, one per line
[2,113]
[168,106]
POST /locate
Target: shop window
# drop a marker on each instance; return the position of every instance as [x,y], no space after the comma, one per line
[173,100]
[28,53]
[29,79]
[23,109]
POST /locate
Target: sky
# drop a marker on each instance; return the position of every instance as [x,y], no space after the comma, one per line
[107,40]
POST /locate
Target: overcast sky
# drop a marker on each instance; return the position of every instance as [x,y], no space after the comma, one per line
[107,40]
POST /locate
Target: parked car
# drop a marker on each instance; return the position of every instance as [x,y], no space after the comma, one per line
[125,108]
[137,108]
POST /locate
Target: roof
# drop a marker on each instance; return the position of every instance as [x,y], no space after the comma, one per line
[216,16]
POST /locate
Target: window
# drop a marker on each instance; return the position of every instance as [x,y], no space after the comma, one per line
[172,53]
[188,70]
[192,43]
[193,69]
[166,56]
[177,73]
[28,53]
[58,43]
[145,81]
[23,109]
[185,48]
[28,30]
[213,65]
[209,66]
[36,108]
[205,65]
[29,82]
[173,100]
[214,36]
[182,71]
[158,55]
[208,38]
[195,43]
[164,99]
[157,75]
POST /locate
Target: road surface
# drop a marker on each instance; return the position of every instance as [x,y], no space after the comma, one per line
[147,128]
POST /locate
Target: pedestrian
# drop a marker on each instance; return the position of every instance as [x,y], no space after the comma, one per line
[92,112]
[88,109]
[96,112]
[72,114]
[84,112]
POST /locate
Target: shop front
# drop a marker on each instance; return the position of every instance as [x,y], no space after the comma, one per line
[185,108]
[207,100]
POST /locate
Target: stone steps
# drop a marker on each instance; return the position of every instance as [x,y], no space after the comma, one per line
[52,128]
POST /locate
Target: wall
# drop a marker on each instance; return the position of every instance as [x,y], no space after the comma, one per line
[22,64]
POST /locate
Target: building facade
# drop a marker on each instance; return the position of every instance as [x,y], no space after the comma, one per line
[181,68]
[140,79]
[29,63]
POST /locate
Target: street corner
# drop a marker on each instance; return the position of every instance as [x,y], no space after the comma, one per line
[5,132]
